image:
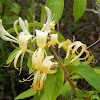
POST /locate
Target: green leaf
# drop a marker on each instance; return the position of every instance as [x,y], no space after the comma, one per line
[67,61]
[12,55]
[88,94]
[60,36]
[30,25]
[53,85]
[95,97]
[89,74]
[79,8]
[73,77]
[15,8]
[79,92]
[29,64]
[43,13]
[26,94]
[97,70]
[10,19]
[66,91]
[56,7]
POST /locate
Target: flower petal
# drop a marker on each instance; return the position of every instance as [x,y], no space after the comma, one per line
[22,25]
[16,58]
[41,38]
[22,40]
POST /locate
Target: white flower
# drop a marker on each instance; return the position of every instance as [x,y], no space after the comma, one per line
[49,25]
[22,40]
[41,38]
[5,35]
[37,59]
[47,65]
[54,40]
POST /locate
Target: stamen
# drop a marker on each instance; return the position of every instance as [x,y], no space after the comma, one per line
[93,43]
[29,51]
[13,44]
[73,38]
[23,80]
[7,66]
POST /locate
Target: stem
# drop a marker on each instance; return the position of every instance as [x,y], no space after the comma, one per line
[66,73]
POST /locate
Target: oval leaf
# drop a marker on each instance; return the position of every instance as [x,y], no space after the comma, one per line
[79,8]
[26,94]
[53,85]
[56,7]
[29,64]
[89,74]
[12,55]
[43,13]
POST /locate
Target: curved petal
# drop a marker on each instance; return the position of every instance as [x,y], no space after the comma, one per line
[22,25]
[16,59]
[21,61]
[82,51]
[49,18]
[5,32]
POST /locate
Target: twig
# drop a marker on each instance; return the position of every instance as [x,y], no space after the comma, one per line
[66,73]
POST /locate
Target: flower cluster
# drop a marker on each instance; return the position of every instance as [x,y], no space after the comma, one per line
[41,62]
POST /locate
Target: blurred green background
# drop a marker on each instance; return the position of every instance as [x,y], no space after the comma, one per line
[86,29]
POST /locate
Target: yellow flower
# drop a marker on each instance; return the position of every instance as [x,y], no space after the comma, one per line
[39,79]
[41,38]
[47,65]
[73,48]
[54,40]
[64,44]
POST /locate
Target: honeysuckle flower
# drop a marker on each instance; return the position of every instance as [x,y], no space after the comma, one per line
[47,65]
[54,40]
[40,76]
[41,38]
[64,44]
[37,59]
[49,25]
[5,35]
[73,48]
[22,40]
[39,79]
